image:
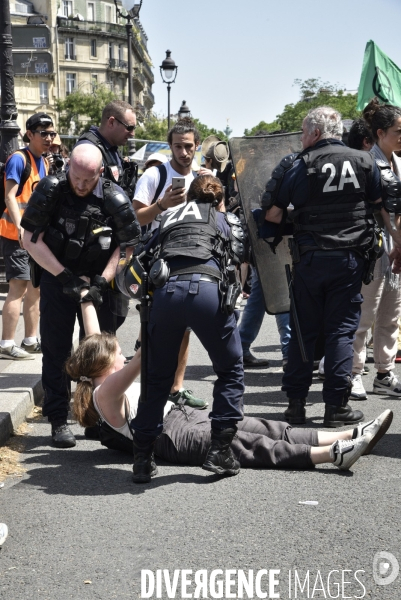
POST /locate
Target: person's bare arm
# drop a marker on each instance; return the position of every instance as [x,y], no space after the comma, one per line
[42,254]
[11,190]
[147,214]
[274,214]
[110,269]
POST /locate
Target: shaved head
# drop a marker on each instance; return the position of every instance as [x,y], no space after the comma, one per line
[87,156]
[86,166]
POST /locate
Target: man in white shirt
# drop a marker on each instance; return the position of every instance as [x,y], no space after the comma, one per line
[154,196]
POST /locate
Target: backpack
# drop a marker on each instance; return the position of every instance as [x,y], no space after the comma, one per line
[24,178]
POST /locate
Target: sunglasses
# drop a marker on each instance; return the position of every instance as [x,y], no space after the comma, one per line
[45,134]
[129,128]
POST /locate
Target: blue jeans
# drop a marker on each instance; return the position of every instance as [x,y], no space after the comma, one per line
[252,319]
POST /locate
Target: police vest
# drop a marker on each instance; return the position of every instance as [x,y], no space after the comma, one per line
[112,170]
[74,233]
[7,227]
[191,231]
[337,212]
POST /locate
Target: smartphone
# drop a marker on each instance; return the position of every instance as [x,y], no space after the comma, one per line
[178,182]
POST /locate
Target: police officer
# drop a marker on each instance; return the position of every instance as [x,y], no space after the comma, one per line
[74,228]
[332,189]
[116,129]
[202,248]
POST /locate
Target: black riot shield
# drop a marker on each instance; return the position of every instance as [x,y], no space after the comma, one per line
[254,159]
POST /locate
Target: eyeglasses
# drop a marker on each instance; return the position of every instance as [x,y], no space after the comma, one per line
[45,134]
[129,128]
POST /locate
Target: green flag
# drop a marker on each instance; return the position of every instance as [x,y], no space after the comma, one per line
[380,77]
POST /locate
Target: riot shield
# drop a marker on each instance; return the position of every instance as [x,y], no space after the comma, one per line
[254,159]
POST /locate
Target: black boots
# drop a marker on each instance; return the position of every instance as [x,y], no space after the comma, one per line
[295,413]
[62,435]
[338,416]
[220,458]
[144,463]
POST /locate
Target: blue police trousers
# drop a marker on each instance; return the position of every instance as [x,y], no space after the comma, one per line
[176,306]
[327,290]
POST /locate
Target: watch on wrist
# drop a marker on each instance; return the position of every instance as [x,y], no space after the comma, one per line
[159,205]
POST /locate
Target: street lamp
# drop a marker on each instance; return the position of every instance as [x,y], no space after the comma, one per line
[8,126]
[168,71]
[184,111]
[132,13]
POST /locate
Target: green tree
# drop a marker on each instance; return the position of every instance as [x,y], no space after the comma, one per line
[314,93]
[263,127]
[84,109]
[155,128]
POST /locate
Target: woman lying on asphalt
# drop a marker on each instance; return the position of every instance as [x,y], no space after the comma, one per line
[106,390]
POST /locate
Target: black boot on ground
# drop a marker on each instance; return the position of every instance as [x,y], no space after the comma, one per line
[220,458]
[144,463]
[295,413]
[62,435]
[338,416]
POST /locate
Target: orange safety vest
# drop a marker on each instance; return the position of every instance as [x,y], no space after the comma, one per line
[7,227]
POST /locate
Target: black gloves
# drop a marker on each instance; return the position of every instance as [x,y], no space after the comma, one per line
[98,287]
[72,285]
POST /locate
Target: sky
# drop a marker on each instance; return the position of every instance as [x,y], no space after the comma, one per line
[238,59]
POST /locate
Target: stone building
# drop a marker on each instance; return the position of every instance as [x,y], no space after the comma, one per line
[64,45]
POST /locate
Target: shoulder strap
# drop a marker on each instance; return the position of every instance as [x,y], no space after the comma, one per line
[163,178]
[27,169]
[92,137]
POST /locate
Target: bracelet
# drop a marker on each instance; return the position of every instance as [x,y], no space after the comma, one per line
[159,205]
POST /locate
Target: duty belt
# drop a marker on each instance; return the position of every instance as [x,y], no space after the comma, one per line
[203,277]
[325,253]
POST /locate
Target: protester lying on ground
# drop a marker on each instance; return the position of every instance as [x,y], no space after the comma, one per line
[106,390]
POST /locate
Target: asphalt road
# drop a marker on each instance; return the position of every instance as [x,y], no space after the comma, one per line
[76,517]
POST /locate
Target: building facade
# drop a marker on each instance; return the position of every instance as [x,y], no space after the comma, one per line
[60,46]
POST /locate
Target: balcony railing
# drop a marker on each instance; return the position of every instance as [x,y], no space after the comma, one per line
[148,94]
[116,63]
[139,77]
[92,26]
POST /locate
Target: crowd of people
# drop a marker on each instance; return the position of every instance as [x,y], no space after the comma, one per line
[80,231]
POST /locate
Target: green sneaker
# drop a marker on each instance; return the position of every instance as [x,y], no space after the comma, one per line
[187,397]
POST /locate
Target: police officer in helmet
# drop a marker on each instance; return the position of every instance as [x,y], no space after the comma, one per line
[74,229]
[202,248]
[333,189]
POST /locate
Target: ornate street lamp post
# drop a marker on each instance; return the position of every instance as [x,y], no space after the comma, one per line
[168,71]
[8,126]
[184,111]
[132,13]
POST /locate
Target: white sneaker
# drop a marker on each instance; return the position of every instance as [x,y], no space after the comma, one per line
[3,533]
[15,353]
[358,391]
[320,371]
[389,386]
[376,428]
[346,452]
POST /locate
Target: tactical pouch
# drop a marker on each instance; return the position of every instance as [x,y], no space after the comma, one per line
[73,249]
[54,239]
[36,272]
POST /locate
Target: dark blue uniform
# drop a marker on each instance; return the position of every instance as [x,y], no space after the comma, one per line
[191,300]
[333,239]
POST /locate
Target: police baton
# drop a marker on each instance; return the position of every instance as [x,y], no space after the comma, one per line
[295,314]
[144,315]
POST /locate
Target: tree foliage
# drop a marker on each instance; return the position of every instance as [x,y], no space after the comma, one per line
[83,109]
[155,128]
[313,93]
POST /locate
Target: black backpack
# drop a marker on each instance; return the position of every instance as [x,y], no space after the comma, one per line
[25,176]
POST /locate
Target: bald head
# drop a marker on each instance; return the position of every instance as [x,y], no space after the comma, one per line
[87,156]
[86,166]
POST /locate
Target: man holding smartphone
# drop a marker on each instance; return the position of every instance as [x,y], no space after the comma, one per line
[155,194]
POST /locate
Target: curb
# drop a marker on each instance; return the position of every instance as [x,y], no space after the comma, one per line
[21,389]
